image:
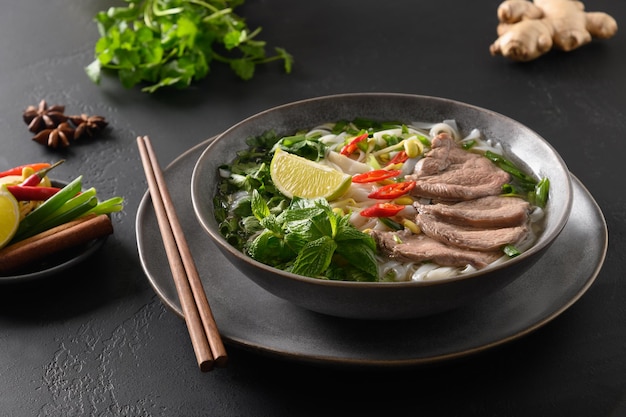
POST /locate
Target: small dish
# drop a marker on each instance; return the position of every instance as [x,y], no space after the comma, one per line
[59,262]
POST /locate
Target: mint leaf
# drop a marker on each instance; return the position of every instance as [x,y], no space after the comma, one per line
[315,257]
[270,249]
[346,231]
[259,206]
[360,256]
[270,223]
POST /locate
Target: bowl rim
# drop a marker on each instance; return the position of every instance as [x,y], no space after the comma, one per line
[222,244]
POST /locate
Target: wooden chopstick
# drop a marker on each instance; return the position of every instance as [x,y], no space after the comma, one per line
[201,325]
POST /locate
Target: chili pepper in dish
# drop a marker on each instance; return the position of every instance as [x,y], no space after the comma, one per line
[375,175]
[32,192]
[39,175]
[391,191]
[399,158]
[18,169]
[382,210]
[352,145]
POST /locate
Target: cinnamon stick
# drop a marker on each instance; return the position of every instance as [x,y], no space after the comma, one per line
[54,240]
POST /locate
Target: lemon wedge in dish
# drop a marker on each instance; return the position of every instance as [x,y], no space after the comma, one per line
[9,216]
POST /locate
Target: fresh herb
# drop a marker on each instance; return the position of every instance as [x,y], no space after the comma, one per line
[526,181]
[174,42]
[249,171]
[523,184]
[308,237]
[540,194]
[302,236]
[307,147]
[511,251]
[393,225]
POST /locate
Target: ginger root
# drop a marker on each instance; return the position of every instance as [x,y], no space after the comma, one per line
[529,29]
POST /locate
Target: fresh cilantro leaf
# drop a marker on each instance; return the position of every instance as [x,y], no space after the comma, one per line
[309,148]
[171,43]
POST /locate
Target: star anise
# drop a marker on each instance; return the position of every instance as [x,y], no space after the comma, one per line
[44,117]
[59,136]
[87,125]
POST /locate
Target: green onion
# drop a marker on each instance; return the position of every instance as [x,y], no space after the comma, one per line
[48,207]
[108,206]
[425,141]
[70,210]
[541,192]
[510,167]
[511,251]
[391,224]
[64,206]
[467,145]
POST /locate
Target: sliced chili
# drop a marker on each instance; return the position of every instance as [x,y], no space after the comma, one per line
[352,145]
[18,169]
[32,193]
[390,191]
[382,210]
[399,158]
[375,175]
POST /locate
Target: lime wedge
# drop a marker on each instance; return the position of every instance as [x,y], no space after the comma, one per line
[9,216]
[295,176]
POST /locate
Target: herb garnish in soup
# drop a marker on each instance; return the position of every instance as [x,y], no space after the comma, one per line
[371,201]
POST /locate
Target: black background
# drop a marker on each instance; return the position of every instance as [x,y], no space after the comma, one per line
[97,340]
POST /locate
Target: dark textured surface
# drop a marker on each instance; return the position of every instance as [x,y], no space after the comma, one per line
[97,341]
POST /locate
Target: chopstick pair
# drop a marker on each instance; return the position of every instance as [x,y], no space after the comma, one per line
[201,325]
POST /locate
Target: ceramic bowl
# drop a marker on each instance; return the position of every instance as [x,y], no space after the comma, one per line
[385,300]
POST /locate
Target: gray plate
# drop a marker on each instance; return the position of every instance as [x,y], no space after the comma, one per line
[252,318]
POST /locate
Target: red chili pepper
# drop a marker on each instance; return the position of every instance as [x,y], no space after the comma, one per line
[18,170]
[32,193]
[376,175]
[351,147]
[36,178]
[399,158]
[382,210]
[395,190]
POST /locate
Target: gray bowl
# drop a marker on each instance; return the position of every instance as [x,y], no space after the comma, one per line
[385,300]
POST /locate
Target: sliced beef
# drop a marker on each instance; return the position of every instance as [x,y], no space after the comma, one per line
[468,222]
[407,247]
[449,173]
[473,238]
[485,212]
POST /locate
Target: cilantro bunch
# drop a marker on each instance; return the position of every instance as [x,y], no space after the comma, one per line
[174,42]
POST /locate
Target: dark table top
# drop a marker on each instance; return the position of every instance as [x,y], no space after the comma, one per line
[97,340]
